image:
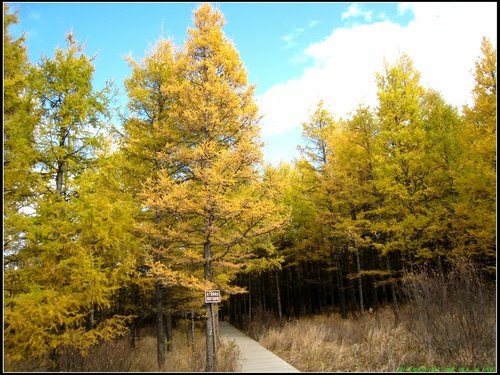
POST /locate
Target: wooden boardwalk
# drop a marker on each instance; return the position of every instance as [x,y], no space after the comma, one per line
[253,356]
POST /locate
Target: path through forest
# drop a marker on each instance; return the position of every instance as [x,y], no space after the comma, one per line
[253,356]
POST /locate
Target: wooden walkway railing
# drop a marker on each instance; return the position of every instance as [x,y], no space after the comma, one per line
[253,356]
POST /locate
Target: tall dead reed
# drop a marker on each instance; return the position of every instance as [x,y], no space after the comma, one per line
[447,322]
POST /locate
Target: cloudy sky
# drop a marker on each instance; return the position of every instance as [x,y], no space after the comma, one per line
[295,53]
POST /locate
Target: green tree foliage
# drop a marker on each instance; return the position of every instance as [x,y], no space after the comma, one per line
[411,165]
[475,233]
[149,108]
[71,116]
[315,134]
[381,191]
[319,186]
[96,238]
[18,119]
[146,139]
[352,176]
[401,169]
[315,186]
[77,247]
[442,126]
[18,125]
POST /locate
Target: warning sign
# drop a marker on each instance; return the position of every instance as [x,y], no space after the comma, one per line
[212,296]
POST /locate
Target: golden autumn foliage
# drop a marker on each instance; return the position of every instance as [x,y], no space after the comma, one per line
[74,249]
[393,187]
[210,183]
[99,239]
[193,132]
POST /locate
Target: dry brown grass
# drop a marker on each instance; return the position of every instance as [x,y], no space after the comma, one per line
[120,356]
[447,324]
[454,317]
[329,343]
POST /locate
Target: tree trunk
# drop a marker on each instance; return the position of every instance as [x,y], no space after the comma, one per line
[249,300]
[170,343]
[133,328]
[210,332]
[244,313]
[360,281]
[309,288]
[331,282]
[278,296]
[59,177]
[299,292]
[91,319]
[322,298]
[190,329]
[393,293]
[263,281]
[340,282]
[210,339]
[160,330]
[133,333]
[289,292]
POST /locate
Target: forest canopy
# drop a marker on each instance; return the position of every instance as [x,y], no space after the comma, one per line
[109,224]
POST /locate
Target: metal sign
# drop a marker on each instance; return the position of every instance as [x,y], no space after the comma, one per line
[212,296]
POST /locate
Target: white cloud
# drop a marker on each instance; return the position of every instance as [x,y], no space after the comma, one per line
[292,36]
[314,23]
[443,40]
[355,11]
[403,8]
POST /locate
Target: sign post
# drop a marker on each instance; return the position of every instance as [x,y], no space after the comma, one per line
[212,296]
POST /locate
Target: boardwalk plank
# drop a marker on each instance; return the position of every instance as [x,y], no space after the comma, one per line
[253,356]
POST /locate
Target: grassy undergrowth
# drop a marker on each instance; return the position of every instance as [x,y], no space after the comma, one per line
[448,324]
[120,356]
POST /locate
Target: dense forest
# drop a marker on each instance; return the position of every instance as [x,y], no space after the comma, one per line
[109,227]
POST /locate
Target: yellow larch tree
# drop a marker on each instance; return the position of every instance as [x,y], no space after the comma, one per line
[210,196]
[74,253]
[477,180]
[143,140]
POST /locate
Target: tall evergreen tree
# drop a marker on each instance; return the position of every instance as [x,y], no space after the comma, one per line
[19,121]
[67,264]
[215,195]
[145,138]
[477,182]
[315,134]
[352,181]
[401,168]
[442,126]
[19,154]
[319,186]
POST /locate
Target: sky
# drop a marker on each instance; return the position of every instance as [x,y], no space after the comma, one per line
[295,53]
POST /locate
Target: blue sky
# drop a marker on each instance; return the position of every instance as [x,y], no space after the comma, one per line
[295,53]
